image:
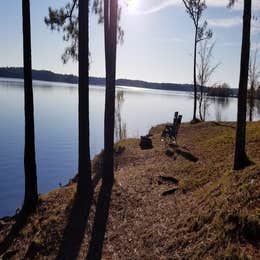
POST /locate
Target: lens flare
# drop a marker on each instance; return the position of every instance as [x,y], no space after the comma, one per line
[132,5]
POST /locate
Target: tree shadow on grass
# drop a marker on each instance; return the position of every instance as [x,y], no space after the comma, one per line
[20,221]
[224,125]
[174,145]
[77,223]
[100,221]
[182,151]
[76,226]
[187,155]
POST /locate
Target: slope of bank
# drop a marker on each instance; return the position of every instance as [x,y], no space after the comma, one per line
[178,202]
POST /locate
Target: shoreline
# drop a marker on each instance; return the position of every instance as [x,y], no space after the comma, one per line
[144,221]
[49,76]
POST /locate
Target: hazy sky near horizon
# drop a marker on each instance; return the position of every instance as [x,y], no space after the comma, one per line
[158,42]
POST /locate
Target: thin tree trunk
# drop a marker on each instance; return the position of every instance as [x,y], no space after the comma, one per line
[241,159]
[204,107]
[84,165]
[110,15]
[195,75]
[200,102]
[251,102]
[31,193]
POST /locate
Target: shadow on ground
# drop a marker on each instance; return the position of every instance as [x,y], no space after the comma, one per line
[187,155]
[74,232]
[20,221]
[100,221]
[182,151]
[224,125]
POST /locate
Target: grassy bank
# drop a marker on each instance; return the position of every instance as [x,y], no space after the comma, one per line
[178,202]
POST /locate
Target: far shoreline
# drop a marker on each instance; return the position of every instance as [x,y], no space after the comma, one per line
[49,76]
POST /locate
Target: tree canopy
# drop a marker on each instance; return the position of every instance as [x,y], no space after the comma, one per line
[65,20]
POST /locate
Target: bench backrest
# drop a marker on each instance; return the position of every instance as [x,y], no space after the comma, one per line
[175,119]
[173,129]
[178,124]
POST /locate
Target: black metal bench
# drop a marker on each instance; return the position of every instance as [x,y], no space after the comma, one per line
[170,131]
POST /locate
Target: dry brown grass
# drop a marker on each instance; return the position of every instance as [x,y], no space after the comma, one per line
[214,213]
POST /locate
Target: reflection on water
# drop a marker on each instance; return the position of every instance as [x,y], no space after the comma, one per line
[56,106]
[120,126]
[255,109]
[258,107]
[221,103]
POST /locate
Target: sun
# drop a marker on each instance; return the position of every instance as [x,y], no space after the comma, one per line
[132,5]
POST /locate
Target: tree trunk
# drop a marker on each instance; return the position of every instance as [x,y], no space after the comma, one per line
[31,193]
[84,165]
[241,159]
[195,76]
[110,16]
[200,102]
[204,107]
[251,102]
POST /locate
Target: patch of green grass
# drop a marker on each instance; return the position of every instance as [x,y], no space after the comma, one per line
[243,187]
[198,178]
[227,137]
[38,242]
[257,213]
[119,148]
[130,142]
[97,163]
[253,131]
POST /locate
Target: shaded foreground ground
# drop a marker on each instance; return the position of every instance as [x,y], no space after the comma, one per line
[180,202]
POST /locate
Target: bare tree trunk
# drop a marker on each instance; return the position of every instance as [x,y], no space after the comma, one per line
[204,108]
[84,165]
[241,160]
[200,102]
[195,75]
[110,15]
[251,102]
[31,193]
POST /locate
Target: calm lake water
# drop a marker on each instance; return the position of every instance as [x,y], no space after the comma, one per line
[56,128]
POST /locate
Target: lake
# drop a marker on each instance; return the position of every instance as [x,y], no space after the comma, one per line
[56,128]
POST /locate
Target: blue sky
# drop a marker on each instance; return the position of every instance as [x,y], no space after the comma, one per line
[157,46]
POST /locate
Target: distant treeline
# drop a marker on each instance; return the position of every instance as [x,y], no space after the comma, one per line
[220,91]
[225,91]
[45,75]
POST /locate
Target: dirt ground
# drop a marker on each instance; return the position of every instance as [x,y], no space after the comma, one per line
[171,202]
